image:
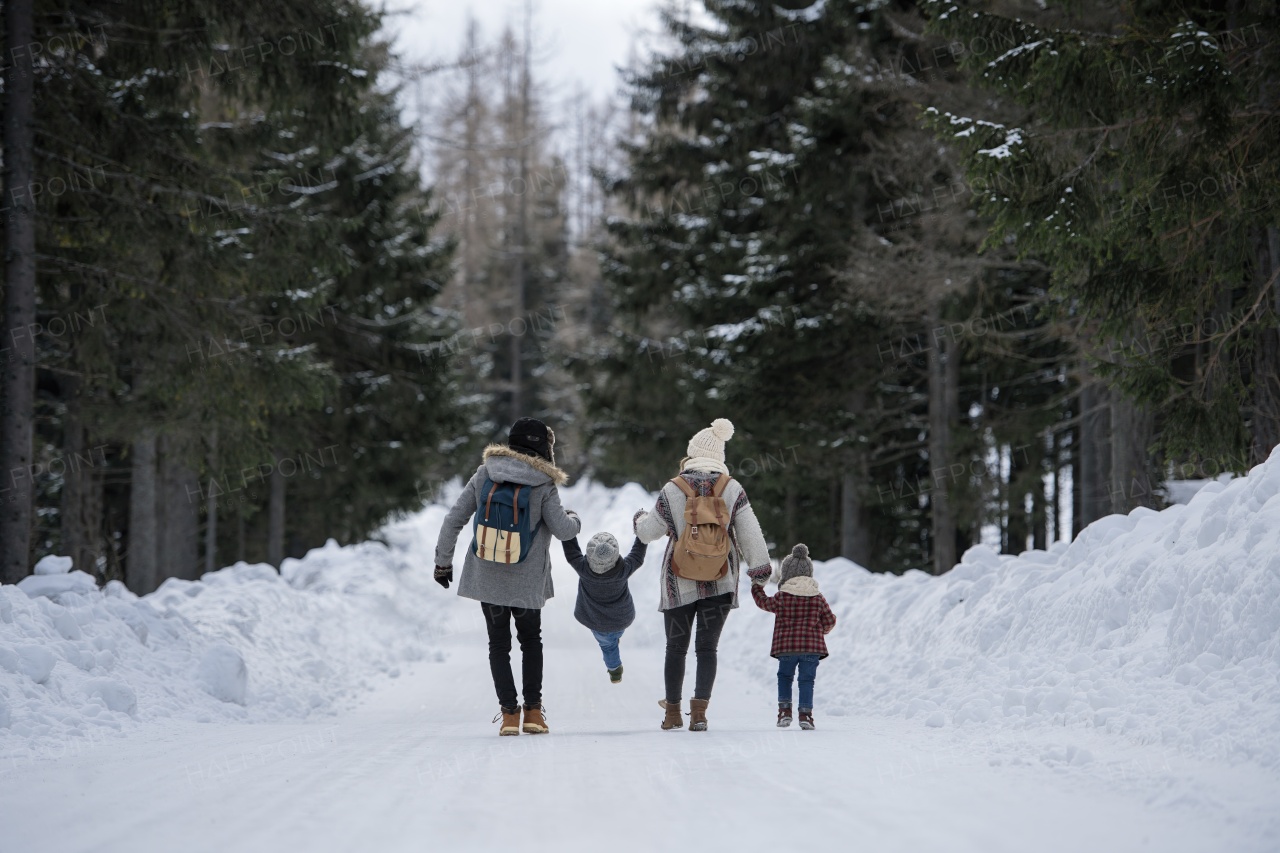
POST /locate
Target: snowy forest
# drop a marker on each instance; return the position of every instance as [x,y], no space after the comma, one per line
[989,290]
[267,284]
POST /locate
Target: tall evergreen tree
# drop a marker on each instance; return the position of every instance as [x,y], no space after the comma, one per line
[796,243]
[1143,173]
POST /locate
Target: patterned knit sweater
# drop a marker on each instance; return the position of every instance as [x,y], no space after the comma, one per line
[746,538]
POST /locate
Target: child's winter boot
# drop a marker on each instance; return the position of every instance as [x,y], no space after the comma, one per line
[806,719]
[784,714]
[510,721]
[535,721]
[698,715]
[672,720]
[615,675]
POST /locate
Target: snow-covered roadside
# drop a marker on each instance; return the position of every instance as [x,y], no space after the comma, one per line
[1159,628]
[79,664]
[241,644]
[1156,628]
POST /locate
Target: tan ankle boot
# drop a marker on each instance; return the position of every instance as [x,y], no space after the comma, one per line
[510,722]
[535,722]
[698,715]
[673,719]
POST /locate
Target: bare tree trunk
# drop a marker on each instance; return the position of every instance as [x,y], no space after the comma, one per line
[1016,526]
[522,236]
[791,512]
[467,256]
[275,515]
[855,538]
[1077,481]
[855,541]
[944,377]
[1131,475]
[17,394]
[1265,423]
[211,508]
[836,510]
[1055,444]
[81,505]
[140,568]
[1039,514]
[179,513]
[1094,455]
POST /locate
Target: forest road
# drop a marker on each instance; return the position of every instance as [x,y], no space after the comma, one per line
[419,767]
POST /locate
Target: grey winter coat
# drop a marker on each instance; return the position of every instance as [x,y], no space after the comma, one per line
[525,585]
[604,600]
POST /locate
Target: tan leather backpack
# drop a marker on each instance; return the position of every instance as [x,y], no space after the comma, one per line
[702,551]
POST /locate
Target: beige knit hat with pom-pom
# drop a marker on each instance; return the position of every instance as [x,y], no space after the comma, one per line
[709,443]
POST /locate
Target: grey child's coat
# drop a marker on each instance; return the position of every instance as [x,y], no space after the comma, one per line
[604,599]
[525,585]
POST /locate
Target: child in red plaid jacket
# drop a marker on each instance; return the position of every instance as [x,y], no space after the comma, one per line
[803,620]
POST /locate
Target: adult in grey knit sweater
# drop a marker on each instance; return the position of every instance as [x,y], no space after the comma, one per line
[684,602]
[604,599]
[518,591]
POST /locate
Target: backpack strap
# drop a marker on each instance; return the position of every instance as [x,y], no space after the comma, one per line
[515,506]
[722,483]
[489,501]
[683,485]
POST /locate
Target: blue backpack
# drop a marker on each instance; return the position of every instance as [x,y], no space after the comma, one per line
[502,532]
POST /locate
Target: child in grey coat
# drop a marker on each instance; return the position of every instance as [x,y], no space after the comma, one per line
[604,599]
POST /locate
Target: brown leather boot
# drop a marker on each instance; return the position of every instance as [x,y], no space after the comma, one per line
[535,722]
[673,719]
[784,715]
[510,721]
[806,719]
[698,715]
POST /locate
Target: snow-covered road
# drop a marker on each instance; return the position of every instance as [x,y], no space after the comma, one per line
[418,767]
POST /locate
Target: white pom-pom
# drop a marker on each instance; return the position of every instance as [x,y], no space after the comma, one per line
[722,428]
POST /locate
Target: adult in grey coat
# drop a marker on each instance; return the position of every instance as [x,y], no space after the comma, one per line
[514,592]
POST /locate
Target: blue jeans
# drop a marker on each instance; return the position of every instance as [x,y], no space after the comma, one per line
[808,665]
[608,641]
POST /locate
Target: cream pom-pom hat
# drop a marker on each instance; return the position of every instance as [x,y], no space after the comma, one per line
[709,443]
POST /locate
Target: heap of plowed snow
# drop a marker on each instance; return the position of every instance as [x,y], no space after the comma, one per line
[1160,627]
[243,643]
[1163,627]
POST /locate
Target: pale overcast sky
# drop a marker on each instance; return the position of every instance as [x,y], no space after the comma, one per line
[582,41]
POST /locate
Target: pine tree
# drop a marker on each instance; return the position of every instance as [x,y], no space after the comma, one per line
[796,241]
[1142,173]
[243,265]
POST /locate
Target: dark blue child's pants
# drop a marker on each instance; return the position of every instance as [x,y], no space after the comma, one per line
[787,665]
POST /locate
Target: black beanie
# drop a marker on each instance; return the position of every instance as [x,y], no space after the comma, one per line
[531,436]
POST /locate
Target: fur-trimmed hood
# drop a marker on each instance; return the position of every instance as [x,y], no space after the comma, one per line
[803,586]
[503,463]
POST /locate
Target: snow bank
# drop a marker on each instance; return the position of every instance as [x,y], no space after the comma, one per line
[1158,627]
[244,643]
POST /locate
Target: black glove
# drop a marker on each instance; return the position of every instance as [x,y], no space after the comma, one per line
[444,575]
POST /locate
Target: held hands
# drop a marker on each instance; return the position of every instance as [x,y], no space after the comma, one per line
[444,575]
[635,520]
[573,515]
[760,576]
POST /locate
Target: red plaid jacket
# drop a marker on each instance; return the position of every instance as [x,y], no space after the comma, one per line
[801,622]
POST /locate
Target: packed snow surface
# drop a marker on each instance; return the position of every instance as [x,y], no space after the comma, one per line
[1139,666]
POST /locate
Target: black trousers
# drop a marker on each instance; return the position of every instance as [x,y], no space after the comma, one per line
[709,614]
[497,619]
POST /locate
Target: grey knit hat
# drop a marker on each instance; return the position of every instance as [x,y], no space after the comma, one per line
[602,553]
[796,564]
